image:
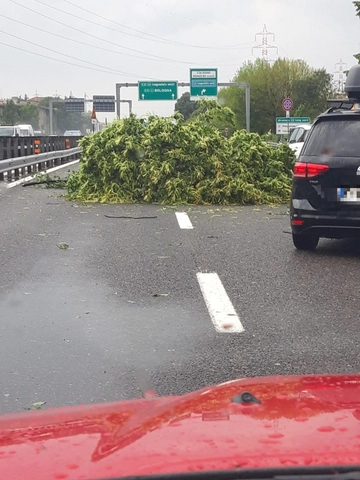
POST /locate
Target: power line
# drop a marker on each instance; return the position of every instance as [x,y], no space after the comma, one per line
[78,41]
[164,40]
[155,39]
[282,48]
[99,24]
[56,59]
[115,72]
[90,35]
[103,48]
[68,56]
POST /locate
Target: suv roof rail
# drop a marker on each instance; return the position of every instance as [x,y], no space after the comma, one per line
[339,104]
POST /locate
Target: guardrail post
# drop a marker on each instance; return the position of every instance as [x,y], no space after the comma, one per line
[8,148]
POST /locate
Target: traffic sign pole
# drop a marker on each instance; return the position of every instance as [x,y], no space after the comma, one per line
[288,123]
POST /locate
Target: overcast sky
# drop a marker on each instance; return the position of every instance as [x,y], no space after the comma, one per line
[120,41]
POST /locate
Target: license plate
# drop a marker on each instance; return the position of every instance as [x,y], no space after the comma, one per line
[348,194]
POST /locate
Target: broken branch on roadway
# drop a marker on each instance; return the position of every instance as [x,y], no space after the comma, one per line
[126,216]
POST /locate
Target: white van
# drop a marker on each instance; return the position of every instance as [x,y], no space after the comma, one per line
[9,131]
[26,130]
[297,138]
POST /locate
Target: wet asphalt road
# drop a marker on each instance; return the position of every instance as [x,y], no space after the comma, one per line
[120,311]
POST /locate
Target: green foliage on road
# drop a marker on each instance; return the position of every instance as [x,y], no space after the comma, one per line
[170,161]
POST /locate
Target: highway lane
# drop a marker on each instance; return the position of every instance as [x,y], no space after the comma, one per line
[120,312]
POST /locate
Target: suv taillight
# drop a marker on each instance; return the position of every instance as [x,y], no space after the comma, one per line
[300,170]
[309,170]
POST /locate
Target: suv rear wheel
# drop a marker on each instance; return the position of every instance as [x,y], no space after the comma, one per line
[305,241]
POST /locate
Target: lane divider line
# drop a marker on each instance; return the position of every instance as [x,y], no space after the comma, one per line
[221,310]
[184,221]
[49,170]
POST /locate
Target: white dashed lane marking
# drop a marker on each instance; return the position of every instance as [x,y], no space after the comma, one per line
[221,310]
[184,221]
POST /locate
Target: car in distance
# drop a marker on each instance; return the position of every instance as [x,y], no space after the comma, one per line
[298,137]
[72,133]
[26,130]
[325,199]
[9,131]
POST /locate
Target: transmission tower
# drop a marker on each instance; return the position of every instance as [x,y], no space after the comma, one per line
[264,43]
[339,76]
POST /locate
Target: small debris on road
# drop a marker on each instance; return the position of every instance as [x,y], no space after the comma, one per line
[35,406]
[126,216]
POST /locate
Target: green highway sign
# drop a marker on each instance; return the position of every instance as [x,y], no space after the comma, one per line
[284,125]
[203,83]
[158,90]
[297,120]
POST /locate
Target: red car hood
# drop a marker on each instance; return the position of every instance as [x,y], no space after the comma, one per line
[285,421]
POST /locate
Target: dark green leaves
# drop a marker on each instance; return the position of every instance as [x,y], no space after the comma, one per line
[170,161]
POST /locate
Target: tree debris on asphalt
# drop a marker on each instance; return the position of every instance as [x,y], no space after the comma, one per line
[36,406]
[126,216]
[172,161]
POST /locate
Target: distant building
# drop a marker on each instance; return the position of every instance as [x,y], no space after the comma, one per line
[35,99]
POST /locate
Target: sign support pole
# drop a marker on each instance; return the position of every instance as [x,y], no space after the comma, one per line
[288,123]
[51,117]
[118,100]
[247,107]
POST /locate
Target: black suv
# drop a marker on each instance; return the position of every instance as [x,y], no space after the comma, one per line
[325,200]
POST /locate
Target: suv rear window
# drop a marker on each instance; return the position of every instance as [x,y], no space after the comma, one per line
[340,137]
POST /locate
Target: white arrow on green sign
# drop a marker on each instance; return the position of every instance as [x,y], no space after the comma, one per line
[158,90]
[203,83]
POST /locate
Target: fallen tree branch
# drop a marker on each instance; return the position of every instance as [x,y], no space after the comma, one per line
[125,216]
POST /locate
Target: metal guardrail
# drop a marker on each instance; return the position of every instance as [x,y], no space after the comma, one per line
[11,147]
[14,168]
